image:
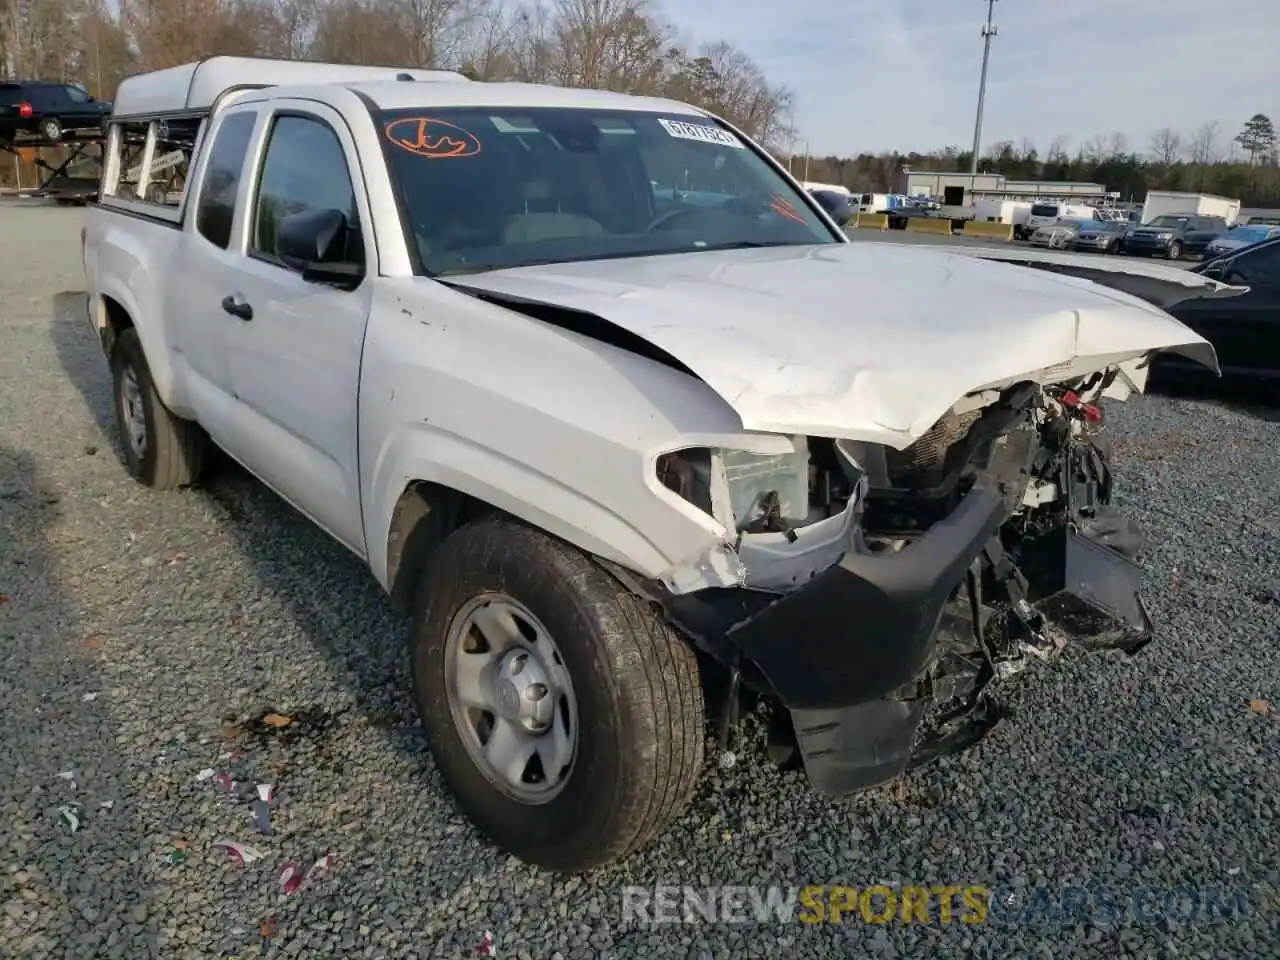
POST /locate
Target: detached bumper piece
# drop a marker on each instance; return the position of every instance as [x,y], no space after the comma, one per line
[884,661]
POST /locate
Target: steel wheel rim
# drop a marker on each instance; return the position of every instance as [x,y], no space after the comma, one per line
[135,415]
[511,698]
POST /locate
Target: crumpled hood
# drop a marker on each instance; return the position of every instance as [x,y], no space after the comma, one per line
[865,341]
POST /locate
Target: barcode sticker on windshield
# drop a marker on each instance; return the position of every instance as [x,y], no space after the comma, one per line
[701,132]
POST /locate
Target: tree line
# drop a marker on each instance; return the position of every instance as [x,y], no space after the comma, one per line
[623,45]
[615,44]
[1209,160]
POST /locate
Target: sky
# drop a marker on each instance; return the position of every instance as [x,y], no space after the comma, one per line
[877,75]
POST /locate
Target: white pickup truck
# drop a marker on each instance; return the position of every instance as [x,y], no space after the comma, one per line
[608,443]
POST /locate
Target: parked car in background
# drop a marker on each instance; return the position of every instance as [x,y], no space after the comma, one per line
[38,108]
[898,216]
[1237,238]
[1059,235]
[1174,235]
[1047,213]
[1245,329]
[1101,236]
[836,204]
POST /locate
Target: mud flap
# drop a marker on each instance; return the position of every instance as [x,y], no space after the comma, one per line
[852,748]
[1095,599]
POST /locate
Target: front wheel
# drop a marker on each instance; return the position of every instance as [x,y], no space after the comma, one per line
[563,712]
[1175,250]
[161,450]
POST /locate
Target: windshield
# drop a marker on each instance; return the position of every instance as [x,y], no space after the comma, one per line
[1168,221]
[485,188]
[1044,210]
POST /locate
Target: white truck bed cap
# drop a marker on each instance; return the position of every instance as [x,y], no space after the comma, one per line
[192,87]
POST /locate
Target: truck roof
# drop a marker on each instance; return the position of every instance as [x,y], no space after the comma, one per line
[193,87]
[391,95]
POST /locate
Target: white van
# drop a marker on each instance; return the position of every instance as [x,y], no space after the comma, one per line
[1045,212]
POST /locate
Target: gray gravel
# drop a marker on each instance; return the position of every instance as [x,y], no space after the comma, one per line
[182,612]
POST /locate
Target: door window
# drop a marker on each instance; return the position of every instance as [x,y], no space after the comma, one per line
[75,94]
[217,206]
[305,171]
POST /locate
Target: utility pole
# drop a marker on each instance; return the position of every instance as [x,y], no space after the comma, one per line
[988,31]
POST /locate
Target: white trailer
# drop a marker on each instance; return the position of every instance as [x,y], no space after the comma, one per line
[1161,202]
[995,210]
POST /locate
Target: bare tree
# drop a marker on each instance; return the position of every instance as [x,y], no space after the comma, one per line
[1095,150]
[1057,152]
[1205,146]
[1166,146]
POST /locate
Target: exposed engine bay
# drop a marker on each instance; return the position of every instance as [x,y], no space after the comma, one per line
[988,543]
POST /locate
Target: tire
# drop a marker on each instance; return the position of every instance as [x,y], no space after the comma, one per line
[1113,248]
[171,452]
[1175,250]
[637,702]
[51,129]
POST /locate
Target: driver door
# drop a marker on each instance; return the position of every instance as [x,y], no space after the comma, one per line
[294,346]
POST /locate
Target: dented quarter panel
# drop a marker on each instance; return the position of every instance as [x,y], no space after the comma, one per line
[792,341]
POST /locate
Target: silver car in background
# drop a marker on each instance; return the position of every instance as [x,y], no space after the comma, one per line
[1060,235]
[1101,236]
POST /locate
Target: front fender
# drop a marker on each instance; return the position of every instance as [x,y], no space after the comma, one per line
[653,535]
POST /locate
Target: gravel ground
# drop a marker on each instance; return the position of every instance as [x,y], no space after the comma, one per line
[143,634]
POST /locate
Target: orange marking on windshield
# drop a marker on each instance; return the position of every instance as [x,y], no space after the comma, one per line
[785,208]
[431,138]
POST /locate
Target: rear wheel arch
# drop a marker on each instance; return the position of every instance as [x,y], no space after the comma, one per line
[112,319]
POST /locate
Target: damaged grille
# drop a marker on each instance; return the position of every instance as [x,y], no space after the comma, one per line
[927,456]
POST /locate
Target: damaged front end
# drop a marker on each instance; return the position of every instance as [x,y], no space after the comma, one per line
[928,575]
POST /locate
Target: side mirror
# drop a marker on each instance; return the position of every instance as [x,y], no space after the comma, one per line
[1216,270]
[321,243]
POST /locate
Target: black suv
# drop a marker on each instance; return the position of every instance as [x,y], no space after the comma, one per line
[45,110]
[1173,234]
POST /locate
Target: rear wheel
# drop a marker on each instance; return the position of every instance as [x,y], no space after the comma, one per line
[161,450]
[562,711]
[51,129]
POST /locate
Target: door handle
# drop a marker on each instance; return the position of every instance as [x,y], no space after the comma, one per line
[237,308]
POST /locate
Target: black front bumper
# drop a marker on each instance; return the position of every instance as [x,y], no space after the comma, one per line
[851,655]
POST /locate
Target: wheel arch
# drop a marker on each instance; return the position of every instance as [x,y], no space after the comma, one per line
[111,318]
[424,514]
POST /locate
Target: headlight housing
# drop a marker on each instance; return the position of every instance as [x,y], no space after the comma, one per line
[750,492]
[745,491]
